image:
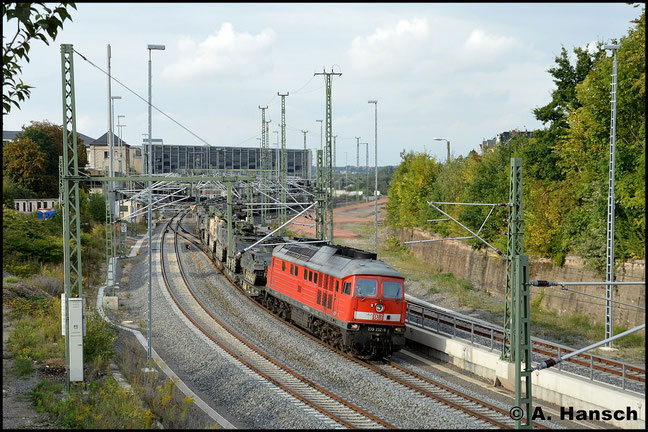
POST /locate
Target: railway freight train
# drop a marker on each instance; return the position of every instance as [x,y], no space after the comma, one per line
[344,296]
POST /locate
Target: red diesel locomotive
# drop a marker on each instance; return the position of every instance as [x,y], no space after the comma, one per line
[345,296]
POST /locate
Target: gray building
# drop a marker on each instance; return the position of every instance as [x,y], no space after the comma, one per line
[169,158]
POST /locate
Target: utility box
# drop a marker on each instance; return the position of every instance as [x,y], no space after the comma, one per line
[77,332]
[76,339]
[63,315]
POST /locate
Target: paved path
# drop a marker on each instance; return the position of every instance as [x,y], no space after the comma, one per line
[136,247]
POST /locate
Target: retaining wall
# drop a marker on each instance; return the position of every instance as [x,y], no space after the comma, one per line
[487,271]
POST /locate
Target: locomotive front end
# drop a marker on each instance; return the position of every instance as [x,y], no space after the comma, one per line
[377,327]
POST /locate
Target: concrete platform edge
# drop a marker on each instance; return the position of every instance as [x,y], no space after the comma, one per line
[220,420]
[563,389]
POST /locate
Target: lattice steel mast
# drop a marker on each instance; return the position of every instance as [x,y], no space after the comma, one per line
[516,346]
[71,209]
[284,161]
[328,153]
[264,163]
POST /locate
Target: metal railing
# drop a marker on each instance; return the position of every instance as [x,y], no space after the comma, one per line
[489,335]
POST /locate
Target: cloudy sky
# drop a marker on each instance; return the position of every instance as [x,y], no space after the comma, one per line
[463,72]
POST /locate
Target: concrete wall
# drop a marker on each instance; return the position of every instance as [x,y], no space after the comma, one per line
[487,271]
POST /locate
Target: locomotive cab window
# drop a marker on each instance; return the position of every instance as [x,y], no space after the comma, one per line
[283,265]
[392,289]
[292,269]
[305,274]
[366,288]
[315,278]
[337,286]
[347,288]
[310,276]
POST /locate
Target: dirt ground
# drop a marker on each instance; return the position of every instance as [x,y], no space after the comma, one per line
[17,410]
[354,213]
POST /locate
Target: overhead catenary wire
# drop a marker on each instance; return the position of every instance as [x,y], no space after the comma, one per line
[601,298]
[147,102]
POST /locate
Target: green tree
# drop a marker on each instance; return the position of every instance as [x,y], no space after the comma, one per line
[33,21]
[49,138]
[97,207]
[584,154]
[541,158]
[25,163]
[12,190]
[566,77]
[412,184]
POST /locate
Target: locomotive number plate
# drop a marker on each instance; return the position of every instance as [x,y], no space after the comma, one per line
[376,329]
[378,317]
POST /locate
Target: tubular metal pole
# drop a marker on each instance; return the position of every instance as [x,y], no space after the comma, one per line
[376,173]
[552,362]
[357,168]
[149,215]
[111,185]
[609,273]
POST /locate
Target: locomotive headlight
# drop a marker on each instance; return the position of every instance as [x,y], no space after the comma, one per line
[379,307]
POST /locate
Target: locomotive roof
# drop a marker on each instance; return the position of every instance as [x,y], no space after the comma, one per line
[329,260]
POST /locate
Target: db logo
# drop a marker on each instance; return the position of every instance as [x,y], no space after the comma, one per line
[378,316]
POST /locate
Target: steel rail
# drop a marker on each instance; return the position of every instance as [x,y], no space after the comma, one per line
[263,355]
[383,373]
[586,360]
[458,393]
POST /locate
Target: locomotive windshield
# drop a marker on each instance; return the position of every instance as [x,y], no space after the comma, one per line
[392,289]
[366,288]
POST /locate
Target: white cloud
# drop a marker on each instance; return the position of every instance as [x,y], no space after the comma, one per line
[482,42]
[227,52]
[388,49]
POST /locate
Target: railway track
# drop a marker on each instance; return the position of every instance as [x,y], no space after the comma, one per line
[611,371]
[488,414]
[341,412]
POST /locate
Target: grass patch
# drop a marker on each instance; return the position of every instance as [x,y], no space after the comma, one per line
[105,405]
[174,410]
[633,340]
[37,335]
[10,279]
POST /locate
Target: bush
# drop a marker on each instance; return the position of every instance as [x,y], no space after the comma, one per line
[21,268]
[104,406]
[48,284]
[23,367]
[43,396]
[37,335]
[99,340]
[171,410]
